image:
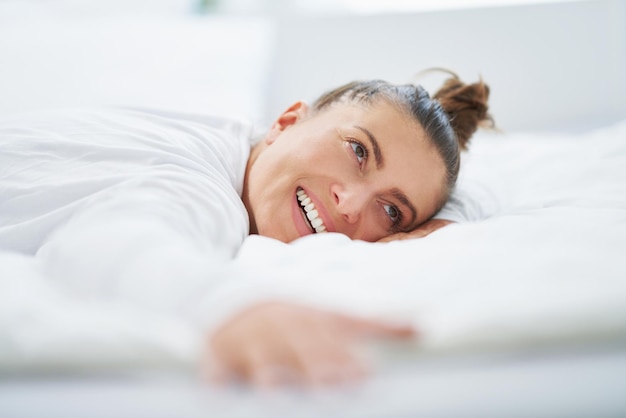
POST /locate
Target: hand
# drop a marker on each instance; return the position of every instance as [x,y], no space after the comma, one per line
[278,343]
[421,231]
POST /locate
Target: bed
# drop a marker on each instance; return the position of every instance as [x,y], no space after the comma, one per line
[521,310]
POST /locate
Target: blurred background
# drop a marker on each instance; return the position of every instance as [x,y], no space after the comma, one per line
[551,64]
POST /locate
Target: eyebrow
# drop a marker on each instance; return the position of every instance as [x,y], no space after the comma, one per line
[378,156]
[405,201]
[396,193]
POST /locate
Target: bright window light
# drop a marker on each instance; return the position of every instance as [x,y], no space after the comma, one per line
[390,6]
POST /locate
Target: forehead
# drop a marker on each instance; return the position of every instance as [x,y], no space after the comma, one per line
[411,163]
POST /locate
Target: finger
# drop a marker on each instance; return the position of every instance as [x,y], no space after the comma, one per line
[213,368]
[420,232]
[377,328]
[214,372]
[272,375]
[400,236]
[270,367]
[325,357]
[260,370]
[393,237]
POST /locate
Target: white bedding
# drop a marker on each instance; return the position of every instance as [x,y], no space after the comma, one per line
[543,264]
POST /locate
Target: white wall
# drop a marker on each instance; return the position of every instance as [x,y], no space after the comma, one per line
[550,66]
[204,64]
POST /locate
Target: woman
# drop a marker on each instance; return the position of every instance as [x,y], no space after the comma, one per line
[370,160]
[149,208]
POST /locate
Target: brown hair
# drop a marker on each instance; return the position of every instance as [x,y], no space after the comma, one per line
[449,118]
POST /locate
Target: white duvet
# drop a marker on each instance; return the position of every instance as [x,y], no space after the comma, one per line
[544,264]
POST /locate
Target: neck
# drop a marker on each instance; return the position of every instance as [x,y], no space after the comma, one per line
[245,195]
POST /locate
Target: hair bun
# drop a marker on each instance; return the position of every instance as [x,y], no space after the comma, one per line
[466,106]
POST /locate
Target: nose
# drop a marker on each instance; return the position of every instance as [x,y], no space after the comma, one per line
[350,201]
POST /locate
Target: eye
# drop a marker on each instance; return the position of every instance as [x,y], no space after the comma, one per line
[359,151]
[393,213]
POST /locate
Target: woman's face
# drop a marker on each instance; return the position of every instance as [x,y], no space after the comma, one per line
[365,171]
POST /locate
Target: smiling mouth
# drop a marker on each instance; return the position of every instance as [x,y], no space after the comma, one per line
[310,213]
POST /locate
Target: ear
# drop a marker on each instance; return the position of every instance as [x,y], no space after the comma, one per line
[295,113]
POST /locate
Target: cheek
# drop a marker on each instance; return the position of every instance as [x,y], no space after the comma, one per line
[374,233]
[320,160]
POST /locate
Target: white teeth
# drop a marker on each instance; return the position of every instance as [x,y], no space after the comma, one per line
[317,222]
[311,213]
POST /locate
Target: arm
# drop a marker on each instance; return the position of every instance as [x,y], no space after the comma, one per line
[144,247]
